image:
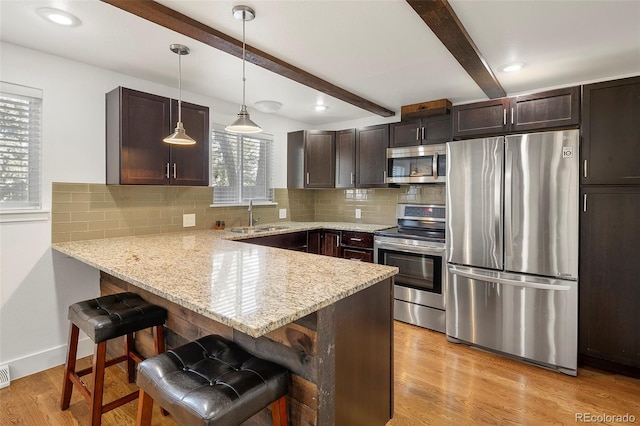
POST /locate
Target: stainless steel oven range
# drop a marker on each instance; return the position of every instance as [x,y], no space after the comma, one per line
[417,248]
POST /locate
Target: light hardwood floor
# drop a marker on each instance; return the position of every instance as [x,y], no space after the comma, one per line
[436,383]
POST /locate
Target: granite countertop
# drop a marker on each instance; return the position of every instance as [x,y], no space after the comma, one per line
[303,226]
[253,289]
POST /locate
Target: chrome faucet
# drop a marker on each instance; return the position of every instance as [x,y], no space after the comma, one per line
[250,209]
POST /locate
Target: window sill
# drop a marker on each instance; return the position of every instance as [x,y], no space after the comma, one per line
[246,204]
[9,216]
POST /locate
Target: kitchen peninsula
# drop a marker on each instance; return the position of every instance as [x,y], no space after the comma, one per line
[328,320]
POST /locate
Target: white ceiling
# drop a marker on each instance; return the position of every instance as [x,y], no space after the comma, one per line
[378,49]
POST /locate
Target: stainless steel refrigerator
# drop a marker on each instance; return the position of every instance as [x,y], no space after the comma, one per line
[512,246]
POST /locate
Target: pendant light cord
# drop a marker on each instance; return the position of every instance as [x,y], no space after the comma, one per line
[244,78]
[180,87]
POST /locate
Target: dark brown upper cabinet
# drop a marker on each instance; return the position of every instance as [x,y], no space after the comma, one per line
[421,131]
[539,111]
[480,118]
[346,158]
[136,124]
[190,163]
[371,156]
[311,157]
[611,132]
[545,110]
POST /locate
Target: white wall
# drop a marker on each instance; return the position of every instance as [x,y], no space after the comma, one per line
[36,284]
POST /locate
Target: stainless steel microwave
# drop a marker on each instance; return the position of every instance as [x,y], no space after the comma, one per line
[417,164]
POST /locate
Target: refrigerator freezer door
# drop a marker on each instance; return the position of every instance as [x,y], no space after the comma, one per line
[542,203]
[474,202]
[531,318]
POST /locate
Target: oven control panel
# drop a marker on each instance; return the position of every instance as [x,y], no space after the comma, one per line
[418,211]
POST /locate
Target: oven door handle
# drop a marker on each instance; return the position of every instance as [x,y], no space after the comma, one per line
[411,249]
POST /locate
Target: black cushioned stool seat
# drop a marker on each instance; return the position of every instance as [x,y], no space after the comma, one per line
[211,381]
[103,319]
[115,315]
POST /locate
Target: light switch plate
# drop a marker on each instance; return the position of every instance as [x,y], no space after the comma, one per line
[188,220]
[358,213]
[282,214]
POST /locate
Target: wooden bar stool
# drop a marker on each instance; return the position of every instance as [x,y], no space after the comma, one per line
[211,381]
[103,319]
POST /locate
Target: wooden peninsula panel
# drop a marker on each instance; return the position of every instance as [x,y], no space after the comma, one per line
[340,357]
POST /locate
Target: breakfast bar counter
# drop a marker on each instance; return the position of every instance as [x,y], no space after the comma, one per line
[328,320]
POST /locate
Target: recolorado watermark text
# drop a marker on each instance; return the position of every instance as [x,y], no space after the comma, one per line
[605,418]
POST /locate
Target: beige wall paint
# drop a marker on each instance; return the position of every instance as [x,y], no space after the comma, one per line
[86,211]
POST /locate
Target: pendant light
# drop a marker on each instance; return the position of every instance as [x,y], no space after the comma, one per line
[179,137]
[243,124]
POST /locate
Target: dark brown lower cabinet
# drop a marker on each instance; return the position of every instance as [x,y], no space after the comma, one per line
[292,241]
[346,244]
[357,246]
[331,243]
[358,254]
[609,332]
[314,241]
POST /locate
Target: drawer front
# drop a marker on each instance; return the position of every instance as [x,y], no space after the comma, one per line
[362,255]
[357,239]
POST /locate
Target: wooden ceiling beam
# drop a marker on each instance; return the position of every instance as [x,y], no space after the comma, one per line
[176,21]
[444,22]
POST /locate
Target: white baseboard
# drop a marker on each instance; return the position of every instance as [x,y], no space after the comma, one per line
[34,363]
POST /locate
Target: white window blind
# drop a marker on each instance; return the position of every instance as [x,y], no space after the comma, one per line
[20,146]
[242,166]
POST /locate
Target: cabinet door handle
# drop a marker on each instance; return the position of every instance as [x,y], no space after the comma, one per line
[504,116]
[167,172]
[584,203]
[423,133]
[338,241]
[307,178]
[175,171]
[511,115]
[356,239]
[352,181]
[585,168]
[417,133]
[384,176]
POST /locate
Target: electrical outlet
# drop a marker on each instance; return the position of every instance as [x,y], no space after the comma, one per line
[188,220]
[282,214]
[358,213]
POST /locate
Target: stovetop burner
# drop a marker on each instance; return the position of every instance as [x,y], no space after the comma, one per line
[414,234]
[419,222]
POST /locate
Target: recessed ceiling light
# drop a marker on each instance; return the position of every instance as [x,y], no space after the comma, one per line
[516,66]
[58,16]
[268,106]
[321,107]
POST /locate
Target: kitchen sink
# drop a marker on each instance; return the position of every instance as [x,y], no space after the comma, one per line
[270,228]
[243,229]
[252,229]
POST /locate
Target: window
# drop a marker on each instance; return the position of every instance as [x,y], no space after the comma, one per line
[241,166]
[20,140]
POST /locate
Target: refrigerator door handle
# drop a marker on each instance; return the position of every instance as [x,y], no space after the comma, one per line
[499,280]
[508,203]
[434,165]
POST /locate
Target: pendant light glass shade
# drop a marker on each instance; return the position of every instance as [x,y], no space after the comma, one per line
[243,123]
[179,137]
